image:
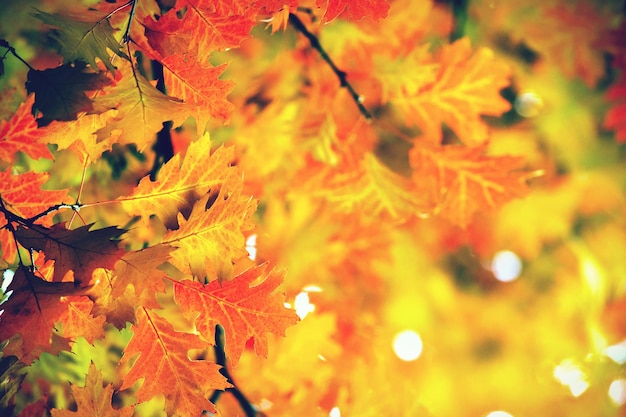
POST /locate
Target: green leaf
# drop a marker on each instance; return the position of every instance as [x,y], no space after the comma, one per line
[83,40]
[60,92]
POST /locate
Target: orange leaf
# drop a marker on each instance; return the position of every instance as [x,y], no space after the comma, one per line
[166,369]
[94,399]
[179,185]
[198,85]
[206,26]
[247,307]
[466,87]
[212,237]
[20,134]
[370,188]
[460,181]
[353,10]
[79,321]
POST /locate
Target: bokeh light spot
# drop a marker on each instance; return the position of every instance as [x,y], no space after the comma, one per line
[302,304]
[407,345]
[617,392]
[528,104]
[570,375]
[506,266]
[334,412]
[251,247]
[617,352]
[499,413]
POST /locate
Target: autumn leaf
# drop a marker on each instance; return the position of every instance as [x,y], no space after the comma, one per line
[353,10]
[78,321]
[32,309]
[178,185]
[163,362]
[370,188]
[212,237]
[60,93]
[141,108]
[205,27]
[94,399]
[247,307]
[79,250]
[466,87]
[83,40]
[460,181]
[118,310]
[23,196]
[199,86]
[20,134]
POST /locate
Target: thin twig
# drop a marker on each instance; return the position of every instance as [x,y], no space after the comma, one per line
[315,43]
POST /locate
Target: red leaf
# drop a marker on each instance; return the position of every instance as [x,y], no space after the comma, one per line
[354,10]
[247,307]
[20,134]
[615,118]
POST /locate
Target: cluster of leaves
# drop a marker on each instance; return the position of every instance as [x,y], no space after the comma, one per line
[362,131]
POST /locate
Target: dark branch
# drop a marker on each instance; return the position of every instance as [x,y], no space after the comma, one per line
[220,359]
[315,44]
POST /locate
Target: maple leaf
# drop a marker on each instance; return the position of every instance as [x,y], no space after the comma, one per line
[178,185]
[466,87]
[60,93]
[32,309]
[369,188]
[212,238]
[615,118]
[83,40]
[247,307]
[205,27]
[163,363]
[94,399]
[20,134]
[353,10]
[461,181]
[198,85]
[79,250]
[141,108]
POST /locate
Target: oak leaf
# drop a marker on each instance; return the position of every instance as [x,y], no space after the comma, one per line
[83,40]
[247,307]
[141,108]
[79,250]
[78,319]
[178,184]
[118,310]
[369,188]
[94,399]
[32,310]
[206,26]
[20,134]
[61,92]
[466,87]
[23,196]
[212,237]
[165,367]
[198,85]
[353,10]
[460,181]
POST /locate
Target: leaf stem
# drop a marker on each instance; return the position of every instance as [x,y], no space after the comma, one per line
[220,359]
[126,36]
[341,75]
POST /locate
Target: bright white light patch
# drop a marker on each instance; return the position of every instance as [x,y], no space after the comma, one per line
[334,412]
[499,413]
[407,345]
[302,305]
[251,247]
[528,104]
[570,375]
[506,266]
[617,392]
[617,352]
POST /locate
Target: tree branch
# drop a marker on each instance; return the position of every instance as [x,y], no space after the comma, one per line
[315,44]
